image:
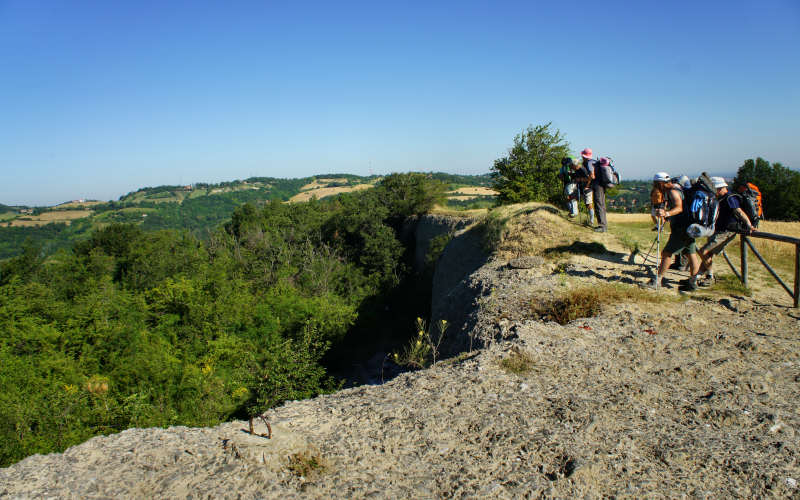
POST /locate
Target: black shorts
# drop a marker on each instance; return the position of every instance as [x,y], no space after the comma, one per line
[679,241]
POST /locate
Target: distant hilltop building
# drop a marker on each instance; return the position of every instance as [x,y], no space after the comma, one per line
[26,211]
[187,188]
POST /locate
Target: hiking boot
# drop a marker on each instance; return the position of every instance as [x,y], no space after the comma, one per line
[705,282]
[599,229]
[689,285]
[652,284]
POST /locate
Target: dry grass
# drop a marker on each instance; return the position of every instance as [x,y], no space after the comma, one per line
[472,191]
[327,191]
[517,362]
[589,301]
[535,228]
[776,251]
[616,217]
[307,463]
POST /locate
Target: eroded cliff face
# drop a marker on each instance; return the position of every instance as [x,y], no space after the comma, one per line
[455,292]
[425,228]
[698,399]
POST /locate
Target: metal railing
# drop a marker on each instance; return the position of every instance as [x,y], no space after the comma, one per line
[745,242]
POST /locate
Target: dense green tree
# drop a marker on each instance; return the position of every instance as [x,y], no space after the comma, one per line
[779,186]
[530,171]
[413,193]
[134,327]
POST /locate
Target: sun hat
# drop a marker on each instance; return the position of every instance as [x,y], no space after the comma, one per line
[602,162]
[719,182]
[661,177]
[587,153]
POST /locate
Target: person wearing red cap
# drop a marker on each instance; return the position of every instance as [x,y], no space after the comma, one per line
[587,181]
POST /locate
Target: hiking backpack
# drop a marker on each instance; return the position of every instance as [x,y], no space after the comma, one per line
[701,207]
[607,174]
[750,200]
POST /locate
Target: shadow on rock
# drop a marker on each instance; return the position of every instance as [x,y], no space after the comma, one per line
[592,249]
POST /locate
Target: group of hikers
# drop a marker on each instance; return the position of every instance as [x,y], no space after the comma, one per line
[588,179]
[703,208]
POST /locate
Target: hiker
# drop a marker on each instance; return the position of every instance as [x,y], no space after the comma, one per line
[657,196]
[672,210]
[585,183]
[731,221]
[570,186]
[599,194]
[684,184]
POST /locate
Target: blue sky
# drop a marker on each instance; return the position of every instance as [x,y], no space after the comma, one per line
[101,98]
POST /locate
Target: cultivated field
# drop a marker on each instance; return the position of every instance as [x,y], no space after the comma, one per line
[472,191]
[76,204]
[321,183]
[326,191]
[65,216]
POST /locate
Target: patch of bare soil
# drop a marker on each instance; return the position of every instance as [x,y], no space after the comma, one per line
[692,397]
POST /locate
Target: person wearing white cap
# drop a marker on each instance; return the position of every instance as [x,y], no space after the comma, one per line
[657,196]
[672,210]
[731,220]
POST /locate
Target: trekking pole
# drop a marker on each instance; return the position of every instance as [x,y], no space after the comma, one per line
[658,252]
[649,250]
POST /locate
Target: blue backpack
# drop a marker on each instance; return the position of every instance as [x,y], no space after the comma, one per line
[701,208]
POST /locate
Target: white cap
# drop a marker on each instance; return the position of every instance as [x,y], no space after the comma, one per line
[719,182]
[685,182]
[661,177]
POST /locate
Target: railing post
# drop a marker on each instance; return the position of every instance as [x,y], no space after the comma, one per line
[743,250]
[797,275]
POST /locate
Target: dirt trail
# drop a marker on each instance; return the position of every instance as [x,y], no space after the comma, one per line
[694,398]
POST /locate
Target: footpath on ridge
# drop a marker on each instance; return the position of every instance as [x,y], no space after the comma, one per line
[692,398]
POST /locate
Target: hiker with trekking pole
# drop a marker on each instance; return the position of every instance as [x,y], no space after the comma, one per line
[672,209]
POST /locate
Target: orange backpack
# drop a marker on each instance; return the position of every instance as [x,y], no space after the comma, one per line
[751,198]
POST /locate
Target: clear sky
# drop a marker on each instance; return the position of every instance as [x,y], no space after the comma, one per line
[99,98]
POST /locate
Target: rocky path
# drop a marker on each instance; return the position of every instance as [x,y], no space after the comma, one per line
[696,399]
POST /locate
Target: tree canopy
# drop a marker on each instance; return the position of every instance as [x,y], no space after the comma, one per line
[136,328]
[530,171]
[779,186]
